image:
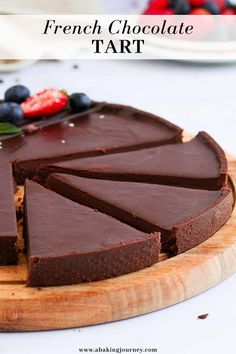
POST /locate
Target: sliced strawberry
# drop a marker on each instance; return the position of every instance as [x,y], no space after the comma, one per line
[156,7]
[197,3]
[45,103]
[199,12]
[168,12]
[228,12]
[159,4]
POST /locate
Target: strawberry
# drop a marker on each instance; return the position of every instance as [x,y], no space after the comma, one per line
[168,12]
[199,11]
[156,7]
[228,12]
[159,4]
[221,4]
[197,3]
[45,103]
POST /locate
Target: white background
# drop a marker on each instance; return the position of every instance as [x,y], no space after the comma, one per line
[196,97]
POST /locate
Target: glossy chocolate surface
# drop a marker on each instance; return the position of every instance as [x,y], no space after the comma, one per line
[60,230]
[102,129]
[150,207]
[165,206]
[197,163]
[109,128]
[8,226]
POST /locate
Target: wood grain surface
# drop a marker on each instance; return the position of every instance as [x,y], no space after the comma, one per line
[165,283]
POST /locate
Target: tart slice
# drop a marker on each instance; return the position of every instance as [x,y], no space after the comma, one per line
[185,217]
[70,243]
[105,129]
[199,163]
[8,226]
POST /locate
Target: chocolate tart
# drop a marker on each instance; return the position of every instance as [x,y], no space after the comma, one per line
[108,128]
[105,128]
[185,217]
[8,226]
[70,243]
[199,163]
[67,240]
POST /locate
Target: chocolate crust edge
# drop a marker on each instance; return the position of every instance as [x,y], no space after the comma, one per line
[220,154]
[8,250]
[98,265]
[147,115]
[205,225]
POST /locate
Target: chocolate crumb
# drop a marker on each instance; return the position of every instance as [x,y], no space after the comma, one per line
[202,317]
[30,129]
[102,150]
[39,288]
[13,293]
[19,214]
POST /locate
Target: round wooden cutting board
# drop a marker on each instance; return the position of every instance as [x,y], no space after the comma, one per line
[165,283]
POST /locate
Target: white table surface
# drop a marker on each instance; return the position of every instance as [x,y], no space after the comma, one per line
[196,98]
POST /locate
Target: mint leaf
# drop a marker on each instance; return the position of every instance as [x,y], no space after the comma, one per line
[8,128]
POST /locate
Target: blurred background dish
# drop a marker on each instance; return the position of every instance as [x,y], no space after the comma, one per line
[124,6]
[7,65]
[55,7]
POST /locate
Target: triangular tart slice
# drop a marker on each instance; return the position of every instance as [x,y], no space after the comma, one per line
[70,243]
[199,163]
[109,128]
[185,217]
[8,224]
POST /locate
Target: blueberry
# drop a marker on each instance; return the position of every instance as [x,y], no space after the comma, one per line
[11,112]
[172,3]
[17,94]
[182,7]
[212,7]
[79,102]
